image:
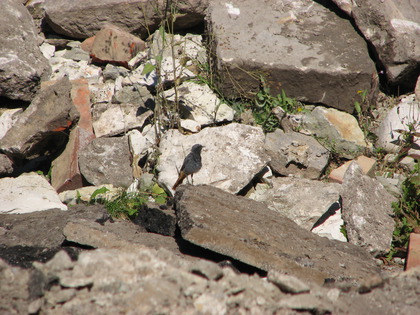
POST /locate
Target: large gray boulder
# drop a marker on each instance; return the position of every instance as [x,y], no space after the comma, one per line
[250,232]
[107,161]
[79,18]
[301,47]
[367,211]
[22,65]
[393,28]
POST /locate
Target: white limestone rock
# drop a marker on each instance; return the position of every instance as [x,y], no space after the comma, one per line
[27,193]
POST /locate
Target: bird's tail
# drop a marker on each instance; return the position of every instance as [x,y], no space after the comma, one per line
[179,181]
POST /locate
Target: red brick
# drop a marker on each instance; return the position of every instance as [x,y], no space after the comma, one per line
[413,256]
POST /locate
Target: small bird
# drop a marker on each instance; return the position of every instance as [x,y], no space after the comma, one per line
[191,164]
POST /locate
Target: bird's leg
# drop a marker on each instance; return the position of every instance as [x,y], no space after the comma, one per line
[192,179]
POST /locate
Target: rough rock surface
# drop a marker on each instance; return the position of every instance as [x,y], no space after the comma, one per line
[6,165]
[114,45]
[78,19]
[107,161]
[200,103]
[40,129]
[115,234]
[88,226]
[240,156]
[368,166]
[7,118]
[296,154]
[27,193]
[250,232]
[400,117]
[367,211]
[339,130]
[22,65]
[113,119]
[287,196]
[14,289]
[157,219]
[393,28]
[74,70]
[150,281]
[310,49]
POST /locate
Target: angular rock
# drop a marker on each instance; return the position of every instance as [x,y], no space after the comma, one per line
[107,161]
[304,302]
[232,156]
[314,56]
[286,283]
[14,291]
[6,165]
[41,127]
[135,94]
[28,193]
[366,164]
[116,234]
[246,230]
[296,154]
[392,27]
[190,125]
[303,201]
[140,147]
[114,45]
[330,225]
[7,118]
[78,19]
[189,47]
[47,50]
[157,220]
[101,92]
[62,67]
[84,194]
[338,130]
[200,103]
[207,269]
[367,211]
[65,173]
[45,230]
[75,52]
[417,89]
[400,117]
[151,281]
[114,119]
[22,66]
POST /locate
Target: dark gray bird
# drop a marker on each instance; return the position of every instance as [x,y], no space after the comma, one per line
[191,165]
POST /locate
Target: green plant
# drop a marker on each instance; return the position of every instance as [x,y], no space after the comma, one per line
[407,212]
[264,104]
[126,205]
[343,230]
[406,139]
[363,112]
